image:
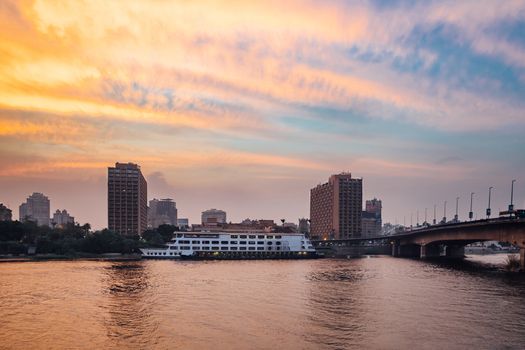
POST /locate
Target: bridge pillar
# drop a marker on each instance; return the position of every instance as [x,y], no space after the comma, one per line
[455,251]
[522,259]
[429,251]
[395,249]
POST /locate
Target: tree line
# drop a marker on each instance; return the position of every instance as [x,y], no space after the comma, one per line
[17,237]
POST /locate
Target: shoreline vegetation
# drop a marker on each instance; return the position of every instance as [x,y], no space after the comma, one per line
[26,241]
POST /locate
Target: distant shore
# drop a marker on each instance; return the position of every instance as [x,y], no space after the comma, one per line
[88,257]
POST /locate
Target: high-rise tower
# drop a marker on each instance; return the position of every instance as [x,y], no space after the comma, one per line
[335,208]
[127,199]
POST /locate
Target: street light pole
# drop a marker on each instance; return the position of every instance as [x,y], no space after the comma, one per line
[434,214]
[488,208]
[457,204]
[511,205]
[471,214]
[426,223]
[445,212]
[417,218]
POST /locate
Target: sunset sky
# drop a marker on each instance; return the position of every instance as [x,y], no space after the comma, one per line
[244,105]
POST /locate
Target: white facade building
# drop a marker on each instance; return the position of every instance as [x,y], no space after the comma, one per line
[36,208]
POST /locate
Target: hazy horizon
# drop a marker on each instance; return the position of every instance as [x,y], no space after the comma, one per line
[246,106]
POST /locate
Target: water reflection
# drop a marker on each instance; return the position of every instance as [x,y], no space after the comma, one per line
[130,322]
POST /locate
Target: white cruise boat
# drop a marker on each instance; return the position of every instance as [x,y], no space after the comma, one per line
[218,245]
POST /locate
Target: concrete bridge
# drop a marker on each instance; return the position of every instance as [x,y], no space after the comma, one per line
[430,241]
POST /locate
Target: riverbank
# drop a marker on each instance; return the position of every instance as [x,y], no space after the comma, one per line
[86,257]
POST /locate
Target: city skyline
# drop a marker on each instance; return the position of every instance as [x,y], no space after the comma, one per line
[245,107]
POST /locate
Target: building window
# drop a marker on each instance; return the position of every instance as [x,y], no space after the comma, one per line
[224,242]
[260,242]
[242,248]
[260,236]
[252,236]
[233,236]
[224,248]
[251,248]
[260,248]
[251,242]
[242,236]
[233,248]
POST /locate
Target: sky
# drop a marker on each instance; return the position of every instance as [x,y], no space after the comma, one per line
[245,105]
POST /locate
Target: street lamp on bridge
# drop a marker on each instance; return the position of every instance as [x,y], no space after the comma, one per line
[445,212]
[488,208]
[511,205]
[470,213]
[457,204]
[434,222]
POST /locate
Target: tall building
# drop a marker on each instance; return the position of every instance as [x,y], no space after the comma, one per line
[36,208]
[213,217]
[62,218]
[371,218]
[127,199]
[5,213]
[335,208]
[162,211]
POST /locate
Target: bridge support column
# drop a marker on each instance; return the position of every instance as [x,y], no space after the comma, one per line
[455,251]
[429,251]
[395,249]
[522,259]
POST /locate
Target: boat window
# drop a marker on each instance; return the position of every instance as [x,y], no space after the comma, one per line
[214,242]
[214,248]
[251,248]
[233,236]
[205,248]
[242,242]
[278,237]
[260,236]
[224,248]
[205,242]
[196,248]
[260,242]
[171,253]
[173,247]
[233,248]
[224,242]
[269,248]
[260,248]
[269,237]
[251,242]
[184,242]
[242,236]
[196,242]
[278,243]
[270,243]
[242,248]
[252,236]
[233,242]
[278,248]
[185,247]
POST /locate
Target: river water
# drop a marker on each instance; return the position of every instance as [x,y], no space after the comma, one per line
[375,302]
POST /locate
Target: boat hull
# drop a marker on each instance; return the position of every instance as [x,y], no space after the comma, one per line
[251,255]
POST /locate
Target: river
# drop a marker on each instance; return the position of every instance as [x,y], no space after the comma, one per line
[372,302]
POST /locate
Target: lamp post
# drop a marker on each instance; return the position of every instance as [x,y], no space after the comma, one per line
[417,218]
[471,214]
[445,212]
[425,223]
[457,205]
[511,205]
[411,214]
[488,208]
[434,222]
